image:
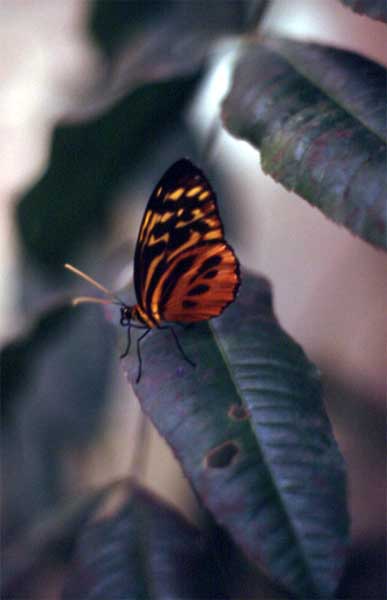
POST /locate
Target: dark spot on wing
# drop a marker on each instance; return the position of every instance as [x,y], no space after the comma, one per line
[182,266]
[188,304]
[159,229]
[179,269]
[209,263]
[210,274]
[179,237]
[187,215]
[201,226]
[198,289]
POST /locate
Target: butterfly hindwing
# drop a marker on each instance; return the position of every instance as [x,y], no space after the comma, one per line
[184,270]
[205,285]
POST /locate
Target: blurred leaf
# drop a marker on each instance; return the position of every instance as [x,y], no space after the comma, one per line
[375,9]
[157,40]
[317,115]
[73,199]
[113,22]
[242,579]
[142,549]
[250,430]
[46,544]
[365,575]
[20,355]
[145,86]
[54,381]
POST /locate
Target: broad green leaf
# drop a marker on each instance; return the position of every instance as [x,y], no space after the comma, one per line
[142,549]
[375,9]
[317,115]
[250,430]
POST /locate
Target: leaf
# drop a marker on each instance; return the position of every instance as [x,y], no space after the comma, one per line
[111,23]
[317,114]
[365,576]
[45,545]
[156,58]
[88,163]
[17,356]
[157,40]
[54,381]
[249,428]
[375,9]
[143,548]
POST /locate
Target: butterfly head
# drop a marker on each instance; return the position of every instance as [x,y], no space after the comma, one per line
[126,314]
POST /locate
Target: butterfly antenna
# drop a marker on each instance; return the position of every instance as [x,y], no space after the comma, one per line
[113,299]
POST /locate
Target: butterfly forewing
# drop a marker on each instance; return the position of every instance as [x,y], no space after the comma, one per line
[184,270]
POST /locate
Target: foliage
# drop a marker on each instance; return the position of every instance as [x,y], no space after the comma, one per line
[248,424]
[317,114]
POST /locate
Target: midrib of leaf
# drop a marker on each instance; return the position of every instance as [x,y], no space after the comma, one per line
[239,393]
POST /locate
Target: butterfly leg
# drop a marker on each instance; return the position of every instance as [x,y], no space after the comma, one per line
[178,343]
[126,352]
[129,326]
[139,355]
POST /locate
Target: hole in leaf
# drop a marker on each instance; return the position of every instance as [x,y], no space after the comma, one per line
[222,456]
[238,412]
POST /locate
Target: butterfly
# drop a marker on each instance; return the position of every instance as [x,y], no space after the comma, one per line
[184,270]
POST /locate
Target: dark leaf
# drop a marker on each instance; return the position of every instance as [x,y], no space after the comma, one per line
[158,40]
[89,162]
[250,430]
[142,549]
[111,23]
[54,381]
[376,9]
[17,356]
[241,577]
[158,51]
[317,114]
[46,544]
[365,575]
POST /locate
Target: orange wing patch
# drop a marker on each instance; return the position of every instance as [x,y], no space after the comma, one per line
[198,284]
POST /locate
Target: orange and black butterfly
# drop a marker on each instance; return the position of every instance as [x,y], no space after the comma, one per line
[184,270]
